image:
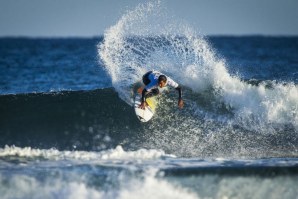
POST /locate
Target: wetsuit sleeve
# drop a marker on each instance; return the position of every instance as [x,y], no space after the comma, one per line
[179,89]
[144,92]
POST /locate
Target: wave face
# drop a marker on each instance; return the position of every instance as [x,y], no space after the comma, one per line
[99,119]
[89,120]
[221,108]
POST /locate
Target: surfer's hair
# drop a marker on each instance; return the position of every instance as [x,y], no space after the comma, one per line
[162,78]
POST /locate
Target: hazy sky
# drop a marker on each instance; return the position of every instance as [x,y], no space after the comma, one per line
[92,17]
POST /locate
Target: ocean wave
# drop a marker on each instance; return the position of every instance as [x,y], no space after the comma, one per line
[221,108]
[76,186]
[90,181]
[99,120]
[131,47]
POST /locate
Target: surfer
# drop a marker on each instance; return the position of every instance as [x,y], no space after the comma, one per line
[155,79]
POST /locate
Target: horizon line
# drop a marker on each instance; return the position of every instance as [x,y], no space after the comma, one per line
[102,35]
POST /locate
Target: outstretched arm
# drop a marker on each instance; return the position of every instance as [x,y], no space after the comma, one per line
[180,101]
[172,83]
[179,89]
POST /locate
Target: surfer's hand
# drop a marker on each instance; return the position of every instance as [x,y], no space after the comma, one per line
[143,105]
[180,103]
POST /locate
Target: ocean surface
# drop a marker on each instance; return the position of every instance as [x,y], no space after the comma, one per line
[68,128]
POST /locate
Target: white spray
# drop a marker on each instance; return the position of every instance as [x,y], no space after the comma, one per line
[146,38]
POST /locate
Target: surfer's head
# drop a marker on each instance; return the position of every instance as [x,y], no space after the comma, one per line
[162,81]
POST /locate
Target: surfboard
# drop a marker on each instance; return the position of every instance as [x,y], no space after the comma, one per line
[144,115]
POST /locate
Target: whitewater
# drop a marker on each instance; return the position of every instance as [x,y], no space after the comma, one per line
[129,50]
[139,43]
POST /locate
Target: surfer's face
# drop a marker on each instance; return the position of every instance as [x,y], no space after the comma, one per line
[162,84]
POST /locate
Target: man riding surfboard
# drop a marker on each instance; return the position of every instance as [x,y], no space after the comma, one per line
[155,79]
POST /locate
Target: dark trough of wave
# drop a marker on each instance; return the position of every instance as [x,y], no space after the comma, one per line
[85,120]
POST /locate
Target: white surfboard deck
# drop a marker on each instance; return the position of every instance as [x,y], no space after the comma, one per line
[144,115]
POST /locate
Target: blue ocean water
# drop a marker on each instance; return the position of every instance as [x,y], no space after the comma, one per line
[44,65]
[68,129]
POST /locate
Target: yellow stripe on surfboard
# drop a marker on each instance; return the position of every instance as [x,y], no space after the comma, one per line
[151,102]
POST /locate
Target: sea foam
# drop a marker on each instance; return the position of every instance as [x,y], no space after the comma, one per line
[112,154]
[139,42]
[219,107]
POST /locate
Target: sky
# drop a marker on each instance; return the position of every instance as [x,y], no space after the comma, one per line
[85,18]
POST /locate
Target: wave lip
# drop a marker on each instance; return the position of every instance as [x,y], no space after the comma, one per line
[138,43]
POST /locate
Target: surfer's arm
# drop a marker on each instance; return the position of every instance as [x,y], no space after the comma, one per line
[147,90]
[179,89]
[175,85]
[180,101]
[143,99]
[144,92]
